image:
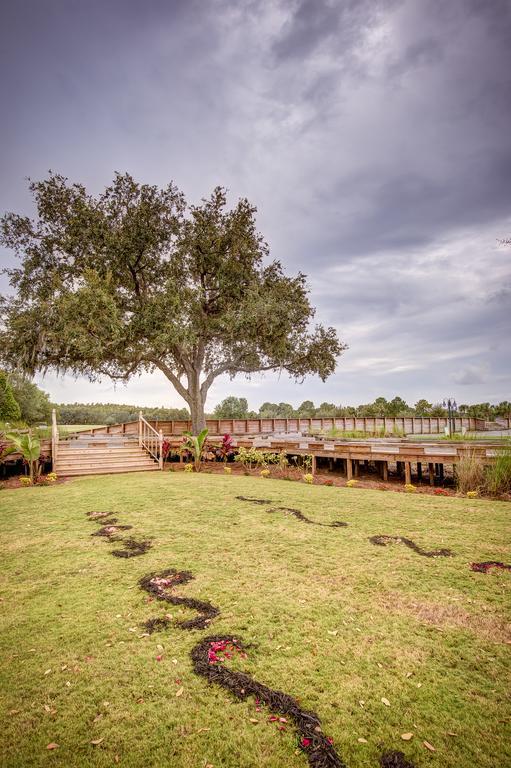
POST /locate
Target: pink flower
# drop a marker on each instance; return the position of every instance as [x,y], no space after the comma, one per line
[305,743]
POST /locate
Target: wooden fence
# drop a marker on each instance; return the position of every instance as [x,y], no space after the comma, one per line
[409,425]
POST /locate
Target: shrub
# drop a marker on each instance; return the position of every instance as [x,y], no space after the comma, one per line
[25,481]
[441,492]
[265,473]
[472,494]
[227,470]
[328,482]
[352,484]
[308,478]
[188,468]
[409,488]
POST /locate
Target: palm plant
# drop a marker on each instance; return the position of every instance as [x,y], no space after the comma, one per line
[30,449]
[196,444]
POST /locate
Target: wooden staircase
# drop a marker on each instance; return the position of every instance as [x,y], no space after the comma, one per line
[105,455]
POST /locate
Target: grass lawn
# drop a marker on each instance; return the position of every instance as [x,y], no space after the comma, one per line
[332,619]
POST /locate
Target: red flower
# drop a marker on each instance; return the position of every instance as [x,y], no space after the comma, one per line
[305,743]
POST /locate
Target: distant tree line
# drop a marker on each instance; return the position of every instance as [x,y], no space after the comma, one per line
[237,408]
[22,400]
[113,413]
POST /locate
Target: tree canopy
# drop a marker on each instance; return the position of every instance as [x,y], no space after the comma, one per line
[135,279]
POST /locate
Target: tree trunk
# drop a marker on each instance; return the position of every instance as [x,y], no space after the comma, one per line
[196,403]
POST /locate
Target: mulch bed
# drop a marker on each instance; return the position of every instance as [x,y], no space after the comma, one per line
[395,760]
[157,585]
[109,531]
[254,501]
[485,567]
[300,516]
[318,748]
[382,541]
[132,548]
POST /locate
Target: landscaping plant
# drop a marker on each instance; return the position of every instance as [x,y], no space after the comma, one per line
[30,449]
[196,445]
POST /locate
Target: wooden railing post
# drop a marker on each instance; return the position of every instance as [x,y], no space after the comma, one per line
[54,439]
[140,429]
[160,451]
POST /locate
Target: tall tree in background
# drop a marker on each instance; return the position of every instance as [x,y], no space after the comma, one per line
[135,280]
[231,408]
[9,408]
[34,404]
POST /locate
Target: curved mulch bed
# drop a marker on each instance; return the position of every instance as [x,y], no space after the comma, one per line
[382,541]
[318,748]
[98,515]
[485,567]
[157,585]
[111,530]
[132,548]
[394,760]
[300,516]
[254,501]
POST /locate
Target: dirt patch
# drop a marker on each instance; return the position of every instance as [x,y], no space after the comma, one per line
[484,624]
[395,760]
[300,516]
[318,748]
[158,584]
[485,567]
[382,541]
[132,548]
[254,501]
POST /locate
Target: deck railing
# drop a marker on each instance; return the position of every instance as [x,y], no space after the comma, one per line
[54,439]
[150,439]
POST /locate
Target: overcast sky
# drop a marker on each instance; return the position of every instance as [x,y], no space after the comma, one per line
[373,136]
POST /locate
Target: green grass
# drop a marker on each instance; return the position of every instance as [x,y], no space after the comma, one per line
[427,634]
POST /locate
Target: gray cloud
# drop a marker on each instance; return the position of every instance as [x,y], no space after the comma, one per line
[373,135]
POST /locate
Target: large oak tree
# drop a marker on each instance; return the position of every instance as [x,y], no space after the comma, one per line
[136,279]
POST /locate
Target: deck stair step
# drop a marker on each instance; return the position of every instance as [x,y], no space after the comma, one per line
[110,454]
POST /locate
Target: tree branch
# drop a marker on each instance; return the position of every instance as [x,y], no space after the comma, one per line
[171,376]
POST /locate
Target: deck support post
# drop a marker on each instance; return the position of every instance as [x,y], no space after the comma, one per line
[313,465]
[408,472]
[349,469]
[419,470]
[385,471]
[356,468]
[441,471]
[431,472]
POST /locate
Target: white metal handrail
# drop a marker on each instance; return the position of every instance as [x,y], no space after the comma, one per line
[54,439]
[150,439]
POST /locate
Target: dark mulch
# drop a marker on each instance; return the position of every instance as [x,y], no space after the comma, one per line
[320,752]
[254,501]
[300,516]
[132,548]
[111,530]
[394,760]
[382,541]
[485,567]
[157,585]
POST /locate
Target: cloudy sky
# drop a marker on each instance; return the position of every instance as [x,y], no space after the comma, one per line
[374,136]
